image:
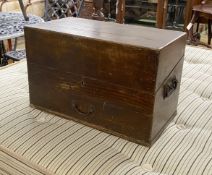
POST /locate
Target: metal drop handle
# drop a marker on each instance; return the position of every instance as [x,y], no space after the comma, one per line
[91,109]
[170,87]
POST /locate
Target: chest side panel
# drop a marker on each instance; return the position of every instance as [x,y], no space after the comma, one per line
[166,100]
[169,58]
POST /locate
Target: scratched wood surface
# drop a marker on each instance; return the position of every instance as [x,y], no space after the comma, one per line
[106,75]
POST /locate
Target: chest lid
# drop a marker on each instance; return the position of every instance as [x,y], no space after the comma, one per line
[144,37]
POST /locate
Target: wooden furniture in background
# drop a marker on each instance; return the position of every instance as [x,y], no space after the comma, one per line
[189,7]
[98,10]
[202,13]
[162,10]
[161,13]
[86,10]
[120,12]
[125,81]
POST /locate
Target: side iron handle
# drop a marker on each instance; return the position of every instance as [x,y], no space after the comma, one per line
[170,87]
[90,110]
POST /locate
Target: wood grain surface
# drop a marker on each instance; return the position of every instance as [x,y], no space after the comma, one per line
[109,76]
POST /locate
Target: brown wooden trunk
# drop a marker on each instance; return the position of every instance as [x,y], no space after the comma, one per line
[116,78]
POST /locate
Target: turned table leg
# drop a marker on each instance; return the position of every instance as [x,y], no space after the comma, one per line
[193,39]
[9,41]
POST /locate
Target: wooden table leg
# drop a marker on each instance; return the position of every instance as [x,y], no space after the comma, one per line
[9,41]
[191,37]
[209,32]
[120,11]
[194,38]
[161,13]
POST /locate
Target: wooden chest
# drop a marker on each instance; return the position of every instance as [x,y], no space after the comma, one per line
[117,78]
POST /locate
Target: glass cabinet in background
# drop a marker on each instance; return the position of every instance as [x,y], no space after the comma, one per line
[141,12]
[175,14]
[168,14]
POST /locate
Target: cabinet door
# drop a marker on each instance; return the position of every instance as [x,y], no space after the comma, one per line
[175,14]
[142,12]
[171,14]
[168,14]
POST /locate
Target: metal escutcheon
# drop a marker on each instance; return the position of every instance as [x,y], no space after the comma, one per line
[170,87]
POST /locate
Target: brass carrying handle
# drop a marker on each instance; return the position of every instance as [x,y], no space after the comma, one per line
[91,109]
[170,87]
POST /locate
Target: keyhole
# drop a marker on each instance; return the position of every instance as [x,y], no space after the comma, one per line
[82,83]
